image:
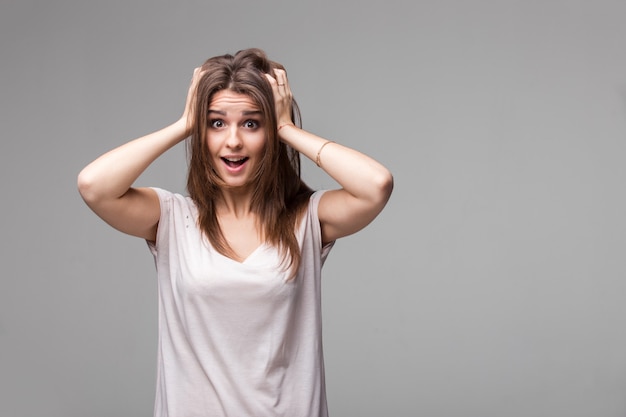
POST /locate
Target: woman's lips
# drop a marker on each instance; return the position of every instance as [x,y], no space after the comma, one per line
[235,164]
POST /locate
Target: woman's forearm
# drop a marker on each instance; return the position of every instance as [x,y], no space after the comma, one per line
[358,174]
[111,175]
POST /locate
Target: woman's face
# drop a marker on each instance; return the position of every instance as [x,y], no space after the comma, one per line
[235,136]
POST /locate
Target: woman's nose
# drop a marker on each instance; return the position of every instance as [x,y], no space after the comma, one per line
[233,140]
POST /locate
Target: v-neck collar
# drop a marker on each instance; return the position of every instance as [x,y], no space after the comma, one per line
[247,259]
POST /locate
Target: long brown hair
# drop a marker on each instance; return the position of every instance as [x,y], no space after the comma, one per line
[279,194]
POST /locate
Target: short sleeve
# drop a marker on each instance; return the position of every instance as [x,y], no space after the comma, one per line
[315,225]
[173,206]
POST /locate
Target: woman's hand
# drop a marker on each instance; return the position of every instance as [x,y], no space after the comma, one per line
[188,116]
[282,96]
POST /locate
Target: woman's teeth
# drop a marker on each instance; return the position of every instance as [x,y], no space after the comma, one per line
[235,162]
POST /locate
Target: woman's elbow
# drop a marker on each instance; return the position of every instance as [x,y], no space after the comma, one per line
[86,186]
[383,184]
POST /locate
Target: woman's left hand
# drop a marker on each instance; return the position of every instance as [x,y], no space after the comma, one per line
[282,96]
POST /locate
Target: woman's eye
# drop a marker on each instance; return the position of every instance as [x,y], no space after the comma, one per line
[251,124]
[216,123]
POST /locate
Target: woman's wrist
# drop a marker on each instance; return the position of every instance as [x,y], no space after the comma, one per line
[281,125]
[183,126]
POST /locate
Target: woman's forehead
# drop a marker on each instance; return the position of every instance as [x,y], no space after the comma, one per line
[231,101]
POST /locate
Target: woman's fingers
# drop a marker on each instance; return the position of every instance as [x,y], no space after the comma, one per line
[282,96]
[271,80]
[190,103]
[281,78]
[281,81]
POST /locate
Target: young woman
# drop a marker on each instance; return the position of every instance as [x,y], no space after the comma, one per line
[239,259]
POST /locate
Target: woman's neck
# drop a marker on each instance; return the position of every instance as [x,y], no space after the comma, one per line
[235,202]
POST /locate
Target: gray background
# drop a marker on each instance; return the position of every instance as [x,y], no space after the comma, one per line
[492,285]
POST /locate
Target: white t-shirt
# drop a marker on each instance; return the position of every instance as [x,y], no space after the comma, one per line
[237,339]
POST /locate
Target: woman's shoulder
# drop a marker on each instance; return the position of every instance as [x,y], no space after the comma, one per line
[173,199]
[167,194]
[315,197]
[308,211]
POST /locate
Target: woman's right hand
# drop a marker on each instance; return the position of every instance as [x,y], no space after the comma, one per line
[188,116]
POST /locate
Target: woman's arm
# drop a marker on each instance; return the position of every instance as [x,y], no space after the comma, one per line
[366,184]
[106,183]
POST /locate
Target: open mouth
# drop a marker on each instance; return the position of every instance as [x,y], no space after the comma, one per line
[235,162]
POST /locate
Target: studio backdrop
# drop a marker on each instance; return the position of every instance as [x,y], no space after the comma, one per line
[493,284]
